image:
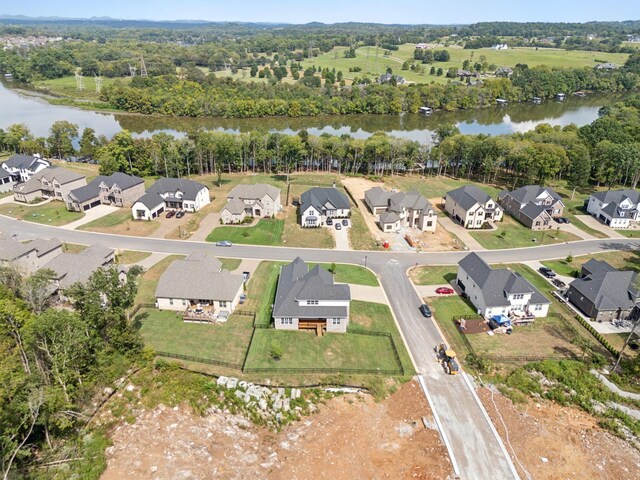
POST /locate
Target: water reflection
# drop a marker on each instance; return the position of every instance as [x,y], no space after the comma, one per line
[38,115]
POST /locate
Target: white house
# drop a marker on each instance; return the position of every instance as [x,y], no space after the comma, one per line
[616,208]
[170,193]
[396,210]
[501,46]
[310,300]
[199,283]
[257,200]
[499,291]
[318,204]
[471,207]
[23,167]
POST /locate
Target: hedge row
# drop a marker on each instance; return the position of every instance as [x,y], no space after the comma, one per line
[598,336]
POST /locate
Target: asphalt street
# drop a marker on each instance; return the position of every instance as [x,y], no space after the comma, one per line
[476,448]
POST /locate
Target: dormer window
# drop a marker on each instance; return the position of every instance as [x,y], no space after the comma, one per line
[312,302]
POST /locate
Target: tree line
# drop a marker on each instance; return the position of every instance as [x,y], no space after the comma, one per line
[605,152]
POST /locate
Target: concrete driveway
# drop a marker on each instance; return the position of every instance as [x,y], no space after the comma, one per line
[341,237]
[207,224]
[596,224]
[571,228]
[91,215]
[367,294]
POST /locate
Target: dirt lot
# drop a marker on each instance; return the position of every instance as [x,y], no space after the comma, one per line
[555,442]
[438,241]
[351,437]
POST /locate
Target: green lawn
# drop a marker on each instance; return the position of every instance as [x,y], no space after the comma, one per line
[432,275]
[50,213]
[351,274]
[67,86]
[230,263]
[435,187]
[517,235]
[630,233]
[149,280]
[265,232]
[121,223]
[620,260]
[261,290]
[73,247]
[165,331]
[128,257]
[360,236]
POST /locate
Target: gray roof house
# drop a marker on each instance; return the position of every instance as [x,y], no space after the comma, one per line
[499,291]
[29,256]
[199,287]
[165,193]
[50,182]
[22,167]
[615,208]
[309,299]
[604,293]
[395,210]
[387,77]
[118,189]
[251,200]
[532,205]
[318,204]
[471,207]
[70,268]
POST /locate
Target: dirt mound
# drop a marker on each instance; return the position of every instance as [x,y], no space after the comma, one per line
[555,442]
[350,437]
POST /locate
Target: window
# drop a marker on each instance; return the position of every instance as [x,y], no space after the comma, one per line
[429,223]
[171,301]
[335,321]
[312,302]
[184,302]
[518,296]
[538,307]
[286,321]
[223,303]
[537,224]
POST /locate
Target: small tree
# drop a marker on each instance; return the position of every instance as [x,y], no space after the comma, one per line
[569,259]
[275,350]
[332,268]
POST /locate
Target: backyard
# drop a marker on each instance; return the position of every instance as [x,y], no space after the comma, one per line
[49,213]
[121,223]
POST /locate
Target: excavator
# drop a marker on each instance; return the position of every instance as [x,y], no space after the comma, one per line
[447,358]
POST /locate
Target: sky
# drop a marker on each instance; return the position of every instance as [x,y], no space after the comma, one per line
[332,11]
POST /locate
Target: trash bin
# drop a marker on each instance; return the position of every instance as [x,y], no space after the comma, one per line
[385,244]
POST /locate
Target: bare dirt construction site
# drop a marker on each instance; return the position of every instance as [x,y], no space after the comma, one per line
[440,240]
[351,437]
[555,442]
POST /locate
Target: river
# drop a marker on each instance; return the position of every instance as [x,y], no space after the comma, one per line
[38,115]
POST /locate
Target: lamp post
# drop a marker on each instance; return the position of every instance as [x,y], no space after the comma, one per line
[365,261]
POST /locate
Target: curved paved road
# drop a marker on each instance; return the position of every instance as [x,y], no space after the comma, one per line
[473,444]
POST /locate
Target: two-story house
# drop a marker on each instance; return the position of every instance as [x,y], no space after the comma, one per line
[29,256]
[170,193]
[310,300]
[117,189]
[604,293]
[396,210]
[23,167]
[318,204]
[51,182]
[499,291]
[533,206]
[616,208]
[471,207]
[257,200]
[6,181]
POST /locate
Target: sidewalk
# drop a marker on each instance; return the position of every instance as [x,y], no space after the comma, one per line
[460,232]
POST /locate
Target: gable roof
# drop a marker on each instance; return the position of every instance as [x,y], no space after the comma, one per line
[533,211]
[468,196]
[92,189]
[397,201]
[318,197]
[189,188]
[377,196]
[255,191]
[529,193]
[151,200]
[199,277]
[617,196]
[297,283]
[59,174]
[594,266]
[235,206]
[497,283]
[25,162]
[11,249]
[389,217]
[613,210]
[608,290]
[70,268]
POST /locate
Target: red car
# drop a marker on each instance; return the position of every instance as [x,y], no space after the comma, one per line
[445,290]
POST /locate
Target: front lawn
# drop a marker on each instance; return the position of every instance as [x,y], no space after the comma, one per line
[230,263]
[51,213]
[265,232]
[120,222]
[432,275]
[355,274]
[128,257]
[621,260]
[511,234]
[165,331]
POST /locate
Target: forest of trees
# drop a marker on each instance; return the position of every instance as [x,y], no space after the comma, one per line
[604,152]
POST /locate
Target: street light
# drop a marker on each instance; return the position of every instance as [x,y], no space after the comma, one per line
[365,261]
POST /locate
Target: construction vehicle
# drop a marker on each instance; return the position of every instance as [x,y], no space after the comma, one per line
[447,358]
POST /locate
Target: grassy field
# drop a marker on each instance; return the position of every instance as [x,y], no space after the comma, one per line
[265,232]
[128,257]
[67,87]
[517,235]
[434,187]
[149,280]
[428,275]
[294,235]
[121,223]
[165,331]
[620,260]
[50,213]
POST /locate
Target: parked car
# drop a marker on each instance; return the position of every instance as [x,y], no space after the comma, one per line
[243,297]
[329,221]
[180,214]
[345,222]
[170,214]
[425,310]
[565,220]
[558,219]
[558,283]
[224,243]
[547,272]
[338,226]
[445,291]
